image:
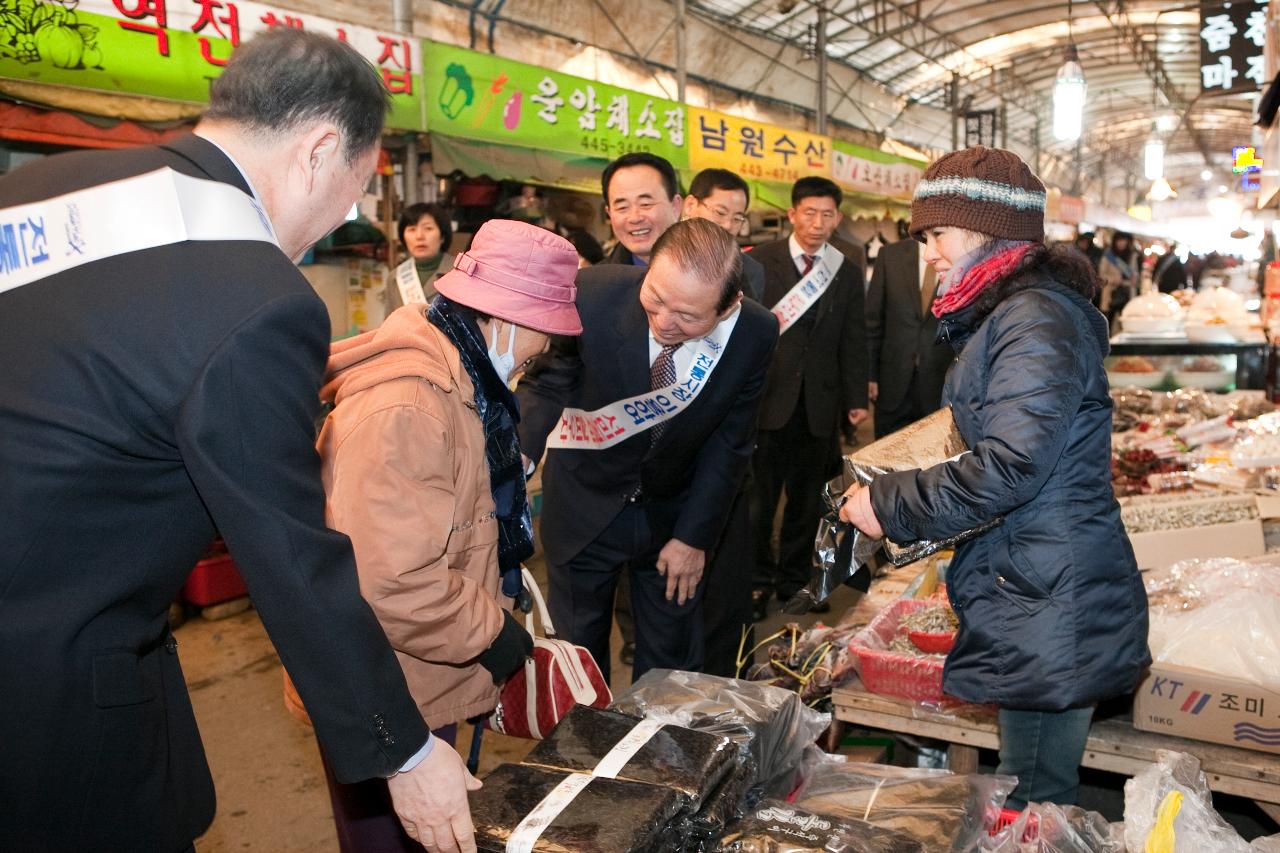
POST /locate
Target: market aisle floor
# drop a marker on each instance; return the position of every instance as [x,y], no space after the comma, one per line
[271,790]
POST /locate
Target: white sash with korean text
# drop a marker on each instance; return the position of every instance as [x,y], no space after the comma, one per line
[808,290]
[616,422]
[410,285]
[159,208]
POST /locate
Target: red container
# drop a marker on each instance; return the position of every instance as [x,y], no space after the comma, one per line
[213,580]
[890,673]
[1007,817]
[933,643]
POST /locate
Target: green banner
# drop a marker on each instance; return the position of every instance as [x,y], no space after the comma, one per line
[476,95]
[171,49]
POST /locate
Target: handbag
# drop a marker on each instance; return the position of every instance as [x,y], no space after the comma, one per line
[557,676]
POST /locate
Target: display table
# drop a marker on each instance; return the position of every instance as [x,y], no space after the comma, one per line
[1114,745]
[1251,357]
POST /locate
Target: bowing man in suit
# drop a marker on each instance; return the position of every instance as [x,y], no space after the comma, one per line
[816,383]
[161,379]
[908,365]
[650,419]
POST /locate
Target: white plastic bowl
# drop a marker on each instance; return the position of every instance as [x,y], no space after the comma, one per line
[1209,334]
[1208,380]
[1150,325]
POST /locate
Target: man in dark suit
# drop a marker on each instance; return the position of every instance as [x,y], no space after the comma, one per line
[908,364]
[642,200]
[723,197]
[655,502]
[158,388]
[817,382]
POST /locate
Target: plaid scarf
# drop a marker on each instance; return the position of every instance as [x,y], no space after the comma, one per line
[967,281]
[499,413]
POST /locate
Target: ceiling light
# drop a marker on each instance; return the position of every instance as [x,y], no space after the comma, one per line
[1068,98]
[1206,175]
[1161,191]
[1153,158]
[1167,123]
[1222,188]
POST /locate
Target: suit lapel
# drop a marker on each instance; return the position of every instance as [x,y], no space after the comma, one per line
[633,350]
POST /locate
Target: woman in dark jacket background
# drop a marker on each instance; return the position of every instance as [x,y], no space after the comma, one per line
[1053,614]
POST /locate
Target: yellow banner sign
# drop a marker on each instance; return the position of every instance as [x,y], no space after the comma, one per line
[755,150]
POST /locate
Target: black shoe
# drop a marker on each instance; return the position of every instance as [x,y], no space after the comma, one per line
[820,607]
[760,604]
[627,654]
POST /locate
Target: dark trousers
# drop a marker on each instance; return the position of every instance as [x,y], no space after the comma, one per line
[726,604]
[793,461]
[913,407]
[363,815]
[582,590]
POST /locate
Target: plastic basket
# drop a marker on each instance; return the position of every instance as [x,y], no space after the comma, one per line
[1007,817]
[890,673]
[213,580]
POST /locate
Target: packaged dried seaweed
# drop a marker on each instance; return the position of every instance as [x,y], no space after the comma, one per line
[552,812]
[778,827]
[771,726]
[944,811]
[616,745]
[841,551]
[702,832]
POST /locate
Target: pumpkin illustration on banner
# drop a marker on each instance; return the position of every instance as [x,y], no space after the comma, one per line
[32,31]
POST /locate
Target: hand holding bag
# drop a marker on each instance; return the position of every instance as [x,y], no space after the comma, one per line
[557,676]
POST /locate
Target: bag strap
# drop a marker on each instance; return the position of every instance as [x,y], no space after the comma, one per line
[539,604]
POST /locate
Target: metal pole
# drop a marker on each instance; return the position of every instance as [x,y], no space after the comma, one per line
[821,48]
[682,55]
[955,112]
[402,16]
[1004,125]
[1035,146]
[411,182]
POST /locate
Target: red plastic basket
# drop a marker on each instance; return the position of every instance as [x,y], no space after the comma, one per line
[890,673]
[1007,818]
[213,580]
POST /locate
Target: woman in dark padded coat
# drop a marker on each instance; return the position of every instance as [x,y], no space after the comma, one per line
[1053,614]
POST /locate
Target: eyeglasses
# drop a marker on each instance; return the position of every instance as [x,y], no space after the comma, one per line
[738,219]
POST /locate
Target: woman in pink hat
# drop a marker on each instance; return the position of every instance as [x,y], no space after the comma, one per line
[422,469]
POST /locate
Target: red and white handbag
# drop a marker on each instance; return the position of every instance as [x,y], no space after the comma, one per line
[557,676]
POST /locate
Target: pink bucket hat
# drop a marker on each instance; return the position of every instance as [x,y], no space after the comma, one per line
[519,273]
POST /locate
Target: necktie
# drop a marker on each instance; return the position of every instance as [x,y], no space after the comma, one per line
[662,374]
[928,287]
[808,264]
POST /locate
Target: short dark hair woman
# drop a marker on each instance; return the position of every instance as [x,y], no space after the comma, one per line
[1053,613]
[425,232]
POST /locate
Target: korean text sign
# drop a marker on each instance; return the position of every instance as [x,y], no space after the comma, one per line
[1232,39]
[171,49]
[476,95]
[870,171]
[755,150]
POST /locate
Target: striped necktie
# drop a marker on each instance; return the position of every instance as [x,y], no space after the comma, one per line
[662,374]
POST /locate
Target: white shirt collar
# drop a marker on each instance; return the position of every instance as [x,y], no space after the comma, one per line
[253,191]
[797,250]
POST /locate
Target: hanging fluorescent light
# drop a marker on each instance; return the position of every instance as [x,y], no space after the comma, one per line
[1160,190]
[1206,175]
[1068,98]
[1153,158]
[1166,123]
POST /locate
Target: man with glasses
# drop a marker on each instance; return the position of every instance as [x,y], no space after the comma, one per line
[722,197]
[816,382]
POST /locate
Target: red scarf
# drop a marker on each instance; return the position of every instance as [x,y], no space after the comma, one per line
[977,277]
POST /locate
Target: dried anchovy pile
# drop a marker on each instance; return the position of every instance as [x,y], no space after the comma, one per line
[933,620]
[1196,511]
[902,645]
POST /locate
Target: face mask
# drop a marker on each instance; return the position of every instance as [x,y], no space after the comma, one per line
[503,363]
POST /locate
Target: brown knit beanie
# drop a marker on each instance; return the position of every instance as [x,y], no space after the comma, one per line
[988,190]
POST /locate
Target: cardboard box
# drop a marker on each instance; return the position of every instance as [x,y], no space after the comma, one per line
[1192,703]
[1161,548]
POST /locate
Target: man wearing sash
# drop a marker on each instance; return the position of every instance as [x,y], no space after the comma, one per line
[817,381]
[162,359]
[649,420]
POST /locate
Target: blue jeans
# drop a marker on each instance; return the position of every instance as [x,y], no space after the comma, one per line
[1043,749]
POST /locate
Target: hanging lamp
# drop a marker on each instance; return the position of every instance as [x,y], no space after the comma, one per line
[1069,92]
